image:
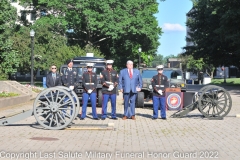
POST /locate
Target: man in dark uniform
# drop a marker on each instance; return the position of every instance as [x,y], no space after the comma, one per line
[159,83]
[109,79]
[89,83]
[53,78]
[70,78]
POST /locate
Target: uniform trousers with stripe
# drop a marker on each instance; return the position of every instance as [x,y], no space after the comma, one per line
[112,98]
[93,103]
[159,102]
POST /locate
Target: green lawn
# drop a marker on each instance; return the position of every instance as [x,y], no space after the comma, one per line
[229,81]
[7,94]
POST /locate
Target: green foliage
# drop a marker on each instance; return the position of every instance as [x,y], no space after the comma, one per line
[215,32]
[9,60]
[114,28]
[196,64]
[111,29]
[157,60]
[7,94]
[229,82]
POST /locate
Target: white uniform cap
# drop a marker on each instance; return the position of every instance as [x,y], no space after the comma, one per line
[160,67]
[109,62]
[90,64]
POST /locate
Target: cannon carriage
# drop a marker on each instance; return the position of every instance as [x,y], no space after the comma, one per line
[212,101]
[54,108]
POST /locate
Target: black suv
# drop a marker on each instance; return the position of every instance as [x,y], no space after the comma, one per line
[79,63]
[175,77]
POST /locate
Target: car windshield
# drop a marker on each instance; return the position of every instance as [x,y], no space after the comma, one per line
[171,74]
[81,70]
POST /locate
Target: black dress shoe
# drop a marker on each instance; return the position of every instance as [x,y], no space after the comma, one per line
[81,118]
[115,118]
[96,118]
[103,118]
[164,118]
[154,118]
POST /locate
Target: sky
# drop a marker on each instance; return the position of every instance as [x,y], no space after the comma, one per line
[172,19]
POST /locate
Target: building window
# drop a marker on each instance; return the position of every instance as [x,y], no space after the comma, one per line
[23,15]
[33,16]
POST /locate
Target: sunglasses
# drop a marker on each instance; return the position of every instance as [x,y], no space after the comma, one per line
[89,67]
[160,69]
[54,68]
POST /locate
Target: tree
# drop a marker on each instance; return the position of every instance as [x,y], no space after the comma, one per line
[116,28]
[157,60]
[8,56]
[214,32]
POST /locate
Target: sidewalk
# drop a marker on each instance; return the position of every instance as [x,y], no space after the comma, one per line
[186,138]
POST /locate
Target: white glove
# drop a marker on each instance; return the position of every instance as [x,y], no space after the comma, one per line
[110,88]
[89,91]
[160,92]
[138,89]
[71,87]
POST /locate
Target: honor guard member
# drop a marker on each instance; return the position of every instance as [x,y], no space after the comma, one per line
[89,82]
[159,83]
[70,78]
[109,79]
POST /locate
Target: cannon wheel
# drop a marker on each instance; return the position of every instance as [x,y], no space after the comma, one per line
[52,110]
[140,100]
[77,103]
[214,102]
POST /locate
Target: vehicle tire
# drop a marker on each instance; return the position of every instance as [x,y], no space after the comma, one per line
[140,100]
[99,98]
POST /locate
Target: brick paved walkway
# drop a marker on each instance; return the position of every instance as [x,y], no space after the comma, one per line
[185,138]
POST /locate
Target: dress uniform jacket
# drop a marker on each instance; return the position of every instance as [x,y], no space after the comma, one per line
[109,76]
[159,82]
[51,82]
[89,81]
[70,78]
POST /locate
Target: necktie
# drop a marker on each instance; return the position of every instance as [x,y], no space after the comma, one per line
[130,73]
[54,79]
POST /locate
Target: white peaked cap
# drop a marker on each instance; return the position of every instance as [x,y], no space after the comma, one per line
[159,66]
[90,64]
[109,62]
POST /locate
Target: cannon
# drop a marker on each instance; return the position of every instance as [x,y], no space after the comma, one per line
[54,108]
[212,101]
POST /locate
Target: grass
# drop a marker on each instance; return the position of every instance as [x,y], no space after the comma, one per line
[229,82]
[7,94]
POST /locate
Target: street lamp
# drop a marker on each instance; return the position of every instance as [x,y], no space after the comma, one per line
[32,33]
[139,60]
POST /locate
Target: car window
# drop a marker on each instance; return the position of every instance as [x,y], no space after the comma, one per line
[148,73]
[173,74]
[81,70]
